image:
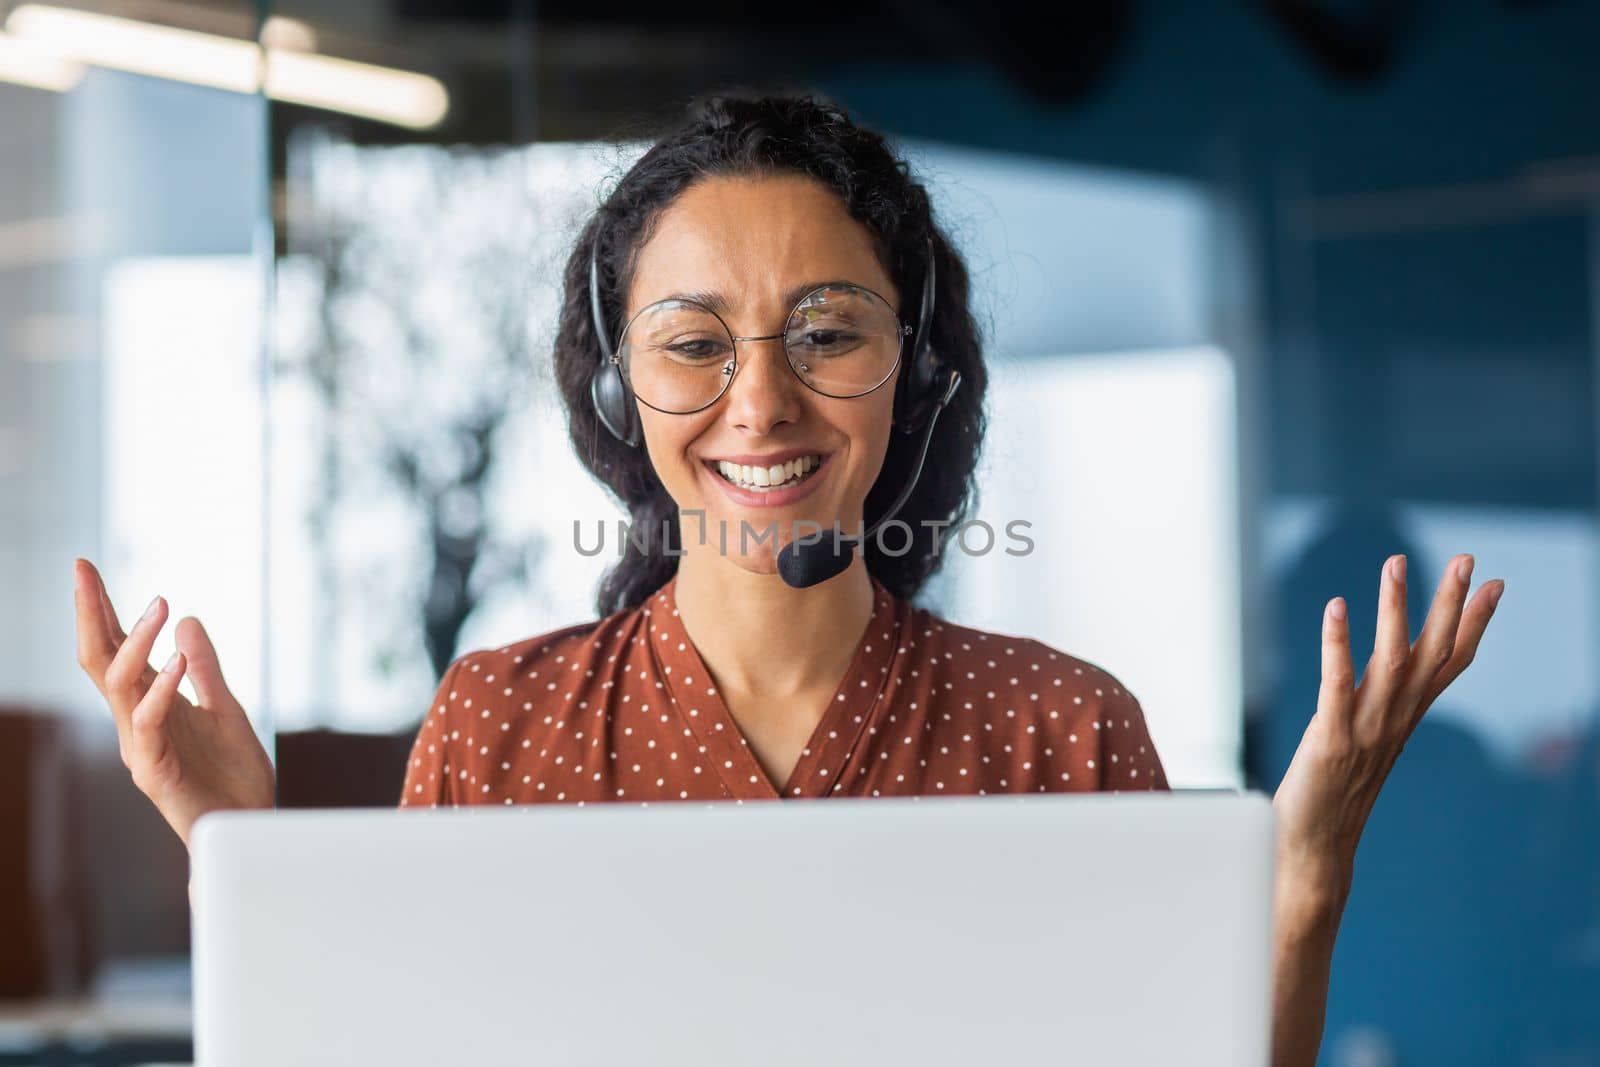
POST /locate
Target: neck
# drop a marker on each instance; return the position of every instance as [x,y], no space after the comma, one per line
[760,636]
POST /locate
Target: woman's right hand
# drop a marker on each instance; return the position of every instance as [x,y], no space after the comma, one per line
[187,759]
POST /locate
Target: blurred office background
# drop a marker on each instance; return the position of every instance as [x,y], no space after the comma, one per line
[1272,291]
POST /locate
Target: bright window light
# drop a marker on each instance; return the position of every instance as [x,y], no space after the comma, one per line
[348,591]
[1124,465]
[183,474]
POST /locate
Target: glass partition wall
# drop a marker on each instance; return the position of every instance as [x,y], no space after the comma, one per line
[135,277]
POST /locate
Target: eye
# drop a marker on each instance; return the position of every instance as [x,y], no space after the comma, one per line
[703,348]
[827,338]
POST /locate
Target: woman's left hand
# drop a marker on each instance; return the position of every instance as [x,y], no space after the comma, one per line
[1358,731]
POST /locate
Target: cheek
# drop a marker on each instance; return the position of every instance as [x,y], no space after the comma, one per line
[666,439]
[869,428]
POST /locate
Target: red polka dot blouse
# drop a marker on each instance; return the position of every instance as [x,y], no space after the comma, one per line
[623,709]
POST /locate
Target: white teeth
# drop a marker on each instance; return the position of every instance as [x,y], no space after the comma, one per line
[777,475]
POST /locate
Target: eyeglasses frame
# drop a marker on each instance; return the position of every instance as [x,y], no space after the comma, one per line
[903,331]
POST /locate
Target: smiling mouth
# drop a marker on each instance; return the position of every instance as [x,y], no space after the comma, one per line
[767,479]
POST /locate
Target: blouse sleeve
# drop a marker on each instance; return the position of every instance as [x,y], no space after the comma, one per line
[1128,757]
[427,783]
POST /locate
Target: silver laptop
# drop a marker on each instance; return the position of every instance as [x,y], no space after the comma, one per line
[1092,928]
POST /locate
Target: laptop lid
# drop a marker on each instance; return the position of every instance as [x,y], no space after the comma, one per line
[1082,928]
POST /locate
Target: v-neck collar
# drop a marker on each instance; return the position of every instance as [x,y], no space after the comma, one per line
[700,705]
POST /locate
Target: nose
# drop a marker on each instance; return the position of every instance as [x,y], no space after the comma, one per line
[764,392]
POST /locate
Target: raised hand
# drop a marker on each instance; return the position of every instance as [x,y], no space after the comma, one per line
[1344,758]
[187,759]
[1357,733]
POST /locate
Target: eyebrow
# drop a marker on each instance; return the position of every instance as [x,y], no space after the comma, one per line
[718,303]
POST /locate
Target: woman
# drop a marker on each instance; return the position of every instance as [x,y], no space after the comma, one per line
[785,317]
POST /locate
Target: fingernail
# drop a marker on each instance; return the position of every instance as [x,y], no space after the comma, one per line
[1398,568]
[1494,597]
[1464,569]
[1336,609]
[172,664]
[150,611]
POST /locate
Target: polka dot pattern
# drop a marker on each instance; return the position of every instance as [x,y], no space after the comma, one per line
[623,709]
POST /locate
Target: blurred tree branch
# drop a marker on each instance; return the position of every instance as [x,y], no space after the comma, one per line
[422,353]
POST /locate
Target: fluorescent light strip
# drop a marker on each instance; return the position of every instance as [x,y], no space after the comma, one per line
[24,63]
[287,33]
[400,97]
[140,47]
[383,93]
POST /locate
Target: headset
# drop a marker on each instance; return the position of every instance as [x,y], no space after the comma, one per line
[921,391]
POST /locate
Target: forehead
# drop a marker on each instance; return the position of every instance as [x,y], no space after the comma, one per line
[754,239]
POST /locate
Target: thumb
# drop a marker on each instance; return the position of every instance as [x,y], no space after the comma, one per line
[205,671]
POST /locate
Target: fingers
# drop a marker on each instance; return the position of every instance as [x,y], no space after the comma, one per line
[95,644]
[113,628]
[1392,648]
[200,655]
[125,678]
[1437,642]
[1336,697]
[146,744]
[99,635]
[1474,620]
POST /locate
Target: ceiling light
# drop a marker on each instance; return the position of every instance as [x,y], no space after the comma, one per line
[28,64]
[140,47]
[400,97]
[395,96]
[287,33]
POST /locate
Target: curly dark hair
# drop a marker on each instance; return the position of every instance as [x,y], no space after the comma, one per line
[747,134]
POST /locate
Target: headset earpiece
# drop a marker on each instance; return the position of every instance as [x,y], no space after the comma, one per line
[607,390]
[921,386]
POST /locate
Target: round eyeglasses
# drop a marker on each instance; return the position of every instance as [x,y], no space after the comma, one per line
[841,340]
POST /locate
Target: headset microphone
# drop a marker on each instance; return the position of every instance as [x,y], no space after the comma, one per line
[804,562]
